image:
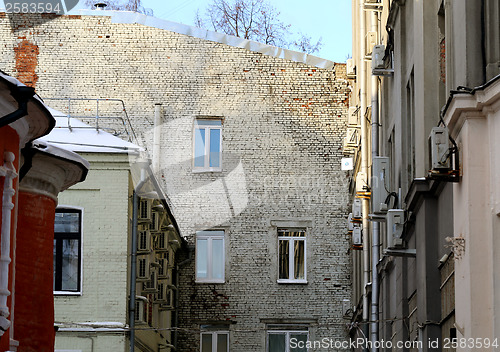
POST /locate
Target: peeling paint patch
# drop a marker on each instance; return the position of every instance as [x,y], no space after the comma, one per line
[26,54]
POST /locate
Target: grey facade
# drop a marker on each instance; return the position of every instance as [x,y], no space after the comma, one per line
[431,50]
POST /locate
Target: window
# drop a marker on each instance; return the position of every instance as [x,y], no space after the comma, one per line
[210,256]
[207,145]
[292,255]
[287,340]
[67,250]
[214,341]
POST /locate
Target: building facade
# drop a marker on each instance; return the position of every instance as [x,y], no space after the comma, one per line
[114,238]
[247,145]
[31,177]
[423,70]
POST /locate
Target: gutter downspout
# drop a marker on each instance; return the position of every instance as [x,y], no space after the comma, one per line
[22,94]
[157,138]
[133,258]
[374,331]
[9,172]
[364,162]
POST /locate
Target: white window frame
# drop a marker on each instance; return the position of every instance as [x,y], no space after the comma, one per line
[214,338]
[211,235]
[287,334]
[291,261]
[198,124]
[79,292]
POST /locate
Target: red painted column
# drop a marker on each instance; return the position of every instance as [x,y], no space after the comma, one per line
[34,310]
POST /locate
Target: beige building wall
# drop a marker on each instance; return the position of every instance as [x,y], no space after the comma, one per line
[104,200]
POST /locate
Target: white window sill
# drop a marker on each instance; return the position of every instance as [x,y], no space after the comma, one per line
[286,281]
[204,170]
[66,293]
[209,281]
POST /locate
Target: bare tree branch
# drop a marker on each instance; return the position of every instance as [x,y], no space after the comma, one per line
[255,20]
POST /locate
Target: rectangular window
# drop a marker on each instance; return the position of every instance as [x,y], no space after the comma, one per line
[287,340]
[214,341]
[207,154]
[210,256]
[292,255]
[67,250]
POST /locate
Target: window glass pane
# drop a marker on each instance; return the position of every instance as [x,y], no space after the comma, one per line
[298,255]
[70,265]
[291,233]
[276,343]
[222,342]
[206,342]
[199,147]
[298,338]
[209,122]
[217,259]
[201,258]
[215,148]
[67,222]
[283,259]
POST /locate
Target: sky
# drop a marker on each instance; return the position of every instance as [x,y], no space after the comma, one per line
[326,19]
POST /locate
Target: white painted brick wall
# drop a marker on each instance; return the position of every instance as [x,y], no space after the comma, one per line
[283,128]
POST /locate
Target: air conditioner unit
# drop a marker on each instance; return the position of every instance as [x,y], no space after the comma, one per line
[357,236]
[353,117]
[350,68]
[143,241]
[361,182]
[144,213]
[154,225]
[380,184]
[163,292]
[161,241]
[162,268]
[151,285]
[169,300]
[140,310]
[353,137]
[439,149]
[378,57]
[371,40]
[350,224]
[395,225]
[356,209]
[143,268]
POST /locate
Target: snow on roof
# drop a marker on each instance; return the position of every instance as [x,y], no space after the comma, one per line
[75,135]
[134,17]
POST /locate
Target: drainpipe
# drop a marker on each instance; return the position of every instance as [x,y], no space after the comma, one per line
[157,138]
[364,161]
[133,255]
[374,331]
[22,94]
[9,172]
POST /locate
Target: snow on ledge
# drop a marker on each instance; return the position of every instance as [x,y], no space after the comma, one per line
[269,50]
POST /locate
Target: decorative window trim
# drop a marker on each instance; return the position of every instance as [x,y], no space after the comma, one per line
[210,235]
[200,122]
[79,291]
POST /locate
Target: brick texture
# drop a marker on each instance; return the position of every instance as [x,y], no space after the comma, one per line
[283,124]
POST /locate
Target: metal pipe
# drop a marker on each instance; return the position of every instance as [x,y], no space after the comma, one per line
[374,331]
[133,257]
[364,157]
